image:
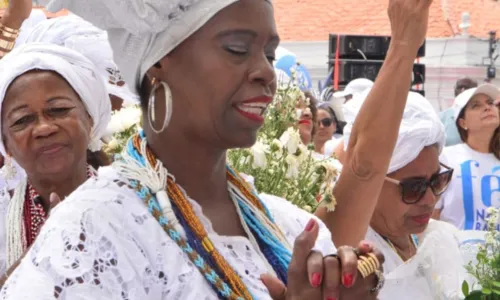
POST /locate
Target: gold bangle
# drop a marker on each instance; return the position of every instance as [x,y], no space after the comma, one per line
[9,35]
[8,29]
[6,45]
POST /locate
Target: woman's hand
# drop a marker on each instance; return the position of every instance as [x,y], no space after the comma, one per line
[409,20]
[362,287]
[312,276]
[16,13]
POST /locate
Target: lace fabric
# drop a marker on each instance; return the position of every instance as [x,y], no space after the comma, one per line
[436,272]
[102,243]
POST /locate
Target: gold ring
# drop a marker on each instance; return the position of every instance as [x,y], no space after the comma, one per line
[366,266]
[372,263]
[363,270]
[375,258]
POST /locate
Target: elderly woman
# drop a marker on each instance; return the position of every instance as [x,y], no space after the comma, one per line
[54,110]
[423,260]
[150,226]
[476,183]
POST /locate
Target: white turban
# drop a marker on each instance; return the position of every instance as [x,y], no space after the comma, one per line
[78,71]
[420,128]
[141,32]
[75,33]
[37,16]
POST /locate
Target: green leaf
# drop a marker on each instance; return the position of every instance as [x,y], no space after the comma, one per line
[465,288]
[496,283]
[474,295]
[486,291]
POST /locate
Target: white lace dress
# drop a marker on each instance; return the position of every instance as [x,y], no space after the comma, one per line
[436,272]
[101,243]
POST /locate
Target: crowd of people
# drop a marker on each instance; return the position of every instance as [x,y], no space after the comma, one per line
[169,218]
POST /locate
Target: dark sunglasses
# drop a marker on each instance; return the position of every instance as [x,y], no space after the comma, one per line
[326,122]
[414,189]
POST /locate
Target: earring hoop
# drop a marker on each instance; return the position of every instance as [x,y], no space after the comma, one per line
[152,102]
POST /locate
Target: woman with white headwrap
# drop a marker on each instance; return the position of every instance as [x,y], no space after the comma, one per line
[423,260]
[54,110]
[136,231]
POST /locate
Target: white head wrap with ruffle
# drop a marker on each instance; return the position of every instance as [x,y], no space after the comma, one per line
[77,34]
[420,128]
[141,32]
[78,71]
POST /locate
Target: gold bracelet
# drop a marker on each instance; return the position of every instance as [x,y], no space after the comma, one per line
[9,35]
[6,45]
[8,29]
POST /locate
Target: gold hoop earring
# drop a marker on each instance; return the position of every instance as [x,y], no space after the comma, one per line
[152,102]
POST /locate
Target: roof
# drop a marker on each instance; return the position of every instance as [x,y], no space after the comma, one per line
[313,20]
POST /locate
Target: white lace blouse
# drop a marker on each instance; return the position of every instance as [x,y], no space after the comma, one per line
[101,243]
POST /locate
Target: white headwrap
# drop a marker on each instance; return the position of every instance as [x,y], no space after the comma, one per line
[420,128]
[141,32]
[37,16]
[80,73]
[77,34]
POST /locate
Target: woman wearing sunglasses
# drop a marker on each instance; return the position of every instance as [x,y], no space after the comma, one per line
[401,222]
[326,137]
[476,183]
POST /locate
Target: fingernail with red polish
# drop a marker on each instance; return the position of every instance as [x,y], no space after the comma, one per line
[330,298]
[310,225]
[347,280]
[316,280]
[366,244]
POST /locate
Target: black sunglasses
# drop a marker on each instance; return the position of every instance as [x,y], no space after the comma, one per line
[326,122]
[414,189]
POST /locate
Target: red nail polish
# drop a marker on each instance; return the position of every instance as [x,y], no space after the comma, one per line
[348,280]
[310,225]
[316,280]
[366,244]
[330,298]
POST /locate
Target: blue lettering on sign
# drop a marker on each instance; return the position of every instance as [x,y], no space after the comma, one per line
[490,194]
[468,193]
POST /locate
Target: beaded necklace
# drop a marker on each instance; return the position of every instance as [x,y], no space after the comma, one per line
[34,215]
[191,235]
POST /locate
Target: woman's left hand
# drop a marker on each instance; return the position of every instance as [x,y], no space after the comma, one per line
[351,284]
[362,287]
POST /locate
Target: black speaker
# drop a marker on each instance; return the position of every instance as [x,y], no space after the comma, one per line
[362,47]
[353,69]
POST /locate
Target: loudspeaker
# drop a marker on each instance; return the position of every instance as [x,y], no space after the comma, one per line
[362,47]
[353,69]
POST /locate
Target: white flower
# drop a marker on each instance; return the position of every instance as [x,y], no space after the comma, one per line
[113,144]
[259,151]
[299,113]
[124,119]
[293,166]
[291,140]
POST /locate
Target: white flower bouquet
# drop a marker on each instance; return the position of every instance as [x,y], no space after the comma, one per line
[281,164]
[486,268]
[124,123]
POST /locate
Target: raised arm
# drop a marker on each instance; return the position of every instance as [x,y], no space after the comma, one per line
[375,130]
[11,21]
